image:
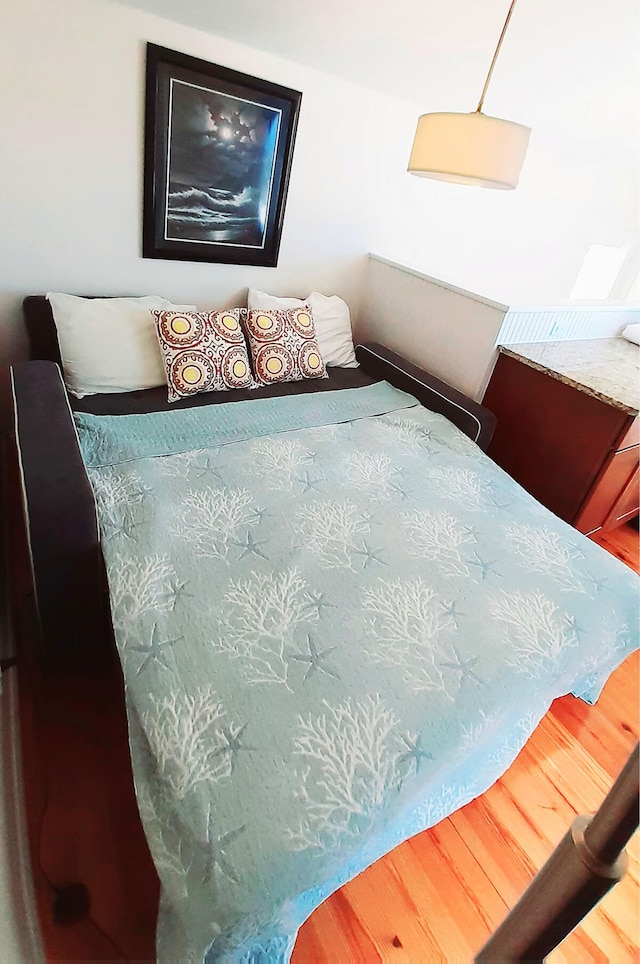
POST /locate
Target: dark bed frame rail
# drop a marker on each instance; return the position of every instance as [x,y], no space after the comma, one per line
[470,417]
[60,521]
[41,329]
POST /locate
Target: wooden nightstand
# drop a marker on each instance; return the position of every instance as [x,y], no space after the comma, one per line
[568,428]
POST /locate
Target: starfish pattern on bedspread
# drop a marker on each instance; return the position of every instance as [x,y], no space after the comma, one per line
[217,857]
[154,650]
[369,555]
[251,546]
[315,660]
[463,667]
[233,744]
[414,754]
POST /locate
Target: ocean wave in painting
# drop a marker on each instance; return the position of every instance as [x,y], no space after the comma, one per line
[212,214]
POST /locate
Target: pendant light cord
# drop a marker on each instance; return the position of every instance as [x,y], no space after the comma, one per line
[495,57]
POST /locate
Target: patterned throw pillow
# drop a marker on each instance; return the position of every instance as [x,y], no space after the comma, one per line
[203,351]
[283,345]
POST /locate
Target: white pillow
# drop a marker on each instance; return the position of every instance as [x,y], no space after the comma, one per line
[632,333]
[108,345]
[331,320]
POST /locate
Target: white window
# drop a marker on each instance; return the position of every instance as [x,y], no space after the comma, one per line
[599,272]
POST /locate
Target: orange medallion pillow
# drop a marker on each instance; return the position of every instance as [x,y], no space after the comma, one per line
[203,351]
[283,345]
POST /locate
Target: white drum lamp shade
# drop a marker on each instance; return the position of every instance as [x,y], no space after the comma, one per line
[469,149]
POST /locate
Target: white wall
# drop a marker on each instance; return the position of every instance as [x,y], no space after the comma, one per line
[443,329]
[71,167]
[524,246]
[71,164]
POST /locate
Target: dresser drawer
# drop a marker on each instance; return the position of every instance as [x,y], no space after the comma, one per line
[614,493]
[631,436]
[628,503]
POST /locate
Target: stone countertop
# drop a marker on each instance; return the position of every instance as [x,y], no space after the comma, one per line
[607,368]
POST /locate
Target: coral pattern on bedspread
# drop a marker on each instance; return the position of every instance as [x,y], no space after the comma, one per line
[333,635]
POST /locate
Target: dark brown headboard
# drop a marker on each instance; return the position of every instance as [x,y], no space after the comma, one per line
[41,329]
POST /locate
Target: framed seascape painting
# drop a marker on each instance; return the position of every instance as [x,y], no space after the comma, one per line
[218,152]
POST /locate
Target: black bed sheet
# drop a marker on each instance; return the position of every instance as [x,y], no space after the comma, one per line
[155,399]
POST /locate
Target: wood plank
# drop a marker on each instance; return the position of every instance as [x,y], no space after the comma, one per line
[597,928]
[543,802]
[397,897]
[574,774]
[623,543]
[578,947]
[620,702]
[509,871]
[608,744]
[476,882]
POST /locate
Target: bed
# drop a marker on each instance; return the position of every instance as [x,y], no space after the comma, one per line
[338,621]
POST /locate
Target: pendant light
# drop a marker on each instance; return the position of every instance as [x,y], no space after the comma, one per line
[471,148]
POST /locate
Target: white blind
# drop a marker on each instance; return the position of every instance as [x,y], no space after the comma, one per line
[523,325]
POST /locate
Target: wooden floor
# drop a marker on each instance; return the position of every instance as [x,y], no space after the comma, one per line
[436,897]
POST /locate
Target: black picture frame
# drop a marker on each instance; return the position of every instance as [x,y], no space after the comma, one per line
[218,154]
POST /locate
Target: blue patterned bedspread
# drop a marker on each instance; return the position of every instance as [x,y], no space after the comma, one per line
[338,622]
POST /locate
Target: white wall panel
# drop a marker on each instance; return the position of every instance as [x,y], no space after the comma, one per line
[444,329]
